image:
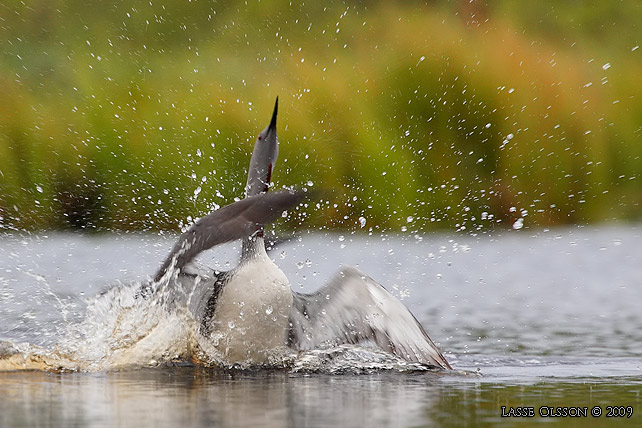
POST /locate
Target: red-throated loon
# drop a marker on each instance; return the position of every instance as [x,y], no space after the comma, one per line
[250,311]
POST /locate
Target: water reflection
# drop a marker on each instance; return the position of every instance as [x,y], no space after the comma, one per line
[191,396]
[199,397]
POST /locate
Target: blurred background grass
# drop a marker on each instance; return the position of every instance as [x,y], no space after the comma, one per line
[457,115]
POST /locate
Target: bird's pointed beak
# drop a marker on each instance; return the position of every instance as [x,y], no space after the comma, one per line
[272,126]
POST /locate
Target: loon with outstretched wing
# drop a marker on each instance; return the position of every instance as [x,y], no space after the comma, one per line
[244,312]
[251,311]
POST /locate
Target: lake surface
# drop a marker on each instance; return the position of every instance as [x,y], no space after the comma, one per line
[549,320]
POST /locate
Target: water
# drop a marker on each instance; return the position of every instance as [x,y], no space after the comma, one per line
[548,318]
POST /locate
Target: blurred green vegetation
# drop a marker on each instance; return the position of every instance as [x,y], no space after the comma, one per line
[460,115]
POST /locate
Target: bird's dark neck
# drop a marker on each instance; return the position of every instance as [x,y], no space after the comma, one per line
[253,246]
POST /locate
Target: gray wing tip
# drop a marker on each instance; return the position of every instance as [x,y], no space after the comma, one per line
[351,271]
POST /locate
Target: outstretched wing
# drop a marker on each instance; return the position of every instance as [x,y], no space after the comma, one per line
[234,221]
[354,308]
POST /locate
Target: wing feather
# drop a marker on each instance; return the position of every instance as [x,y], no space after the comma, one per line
[354,308]
[234,221]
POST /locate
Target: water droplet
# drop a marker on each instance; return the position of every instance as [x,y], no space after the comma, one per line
[519,223]
[269,310]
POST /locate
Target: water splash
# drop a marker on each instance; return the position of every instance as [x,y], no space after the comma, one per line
[353,359]
[124,328]
[120,328]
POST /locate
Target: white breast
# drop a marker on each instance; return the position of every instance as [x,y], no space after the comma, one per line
[252,312]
